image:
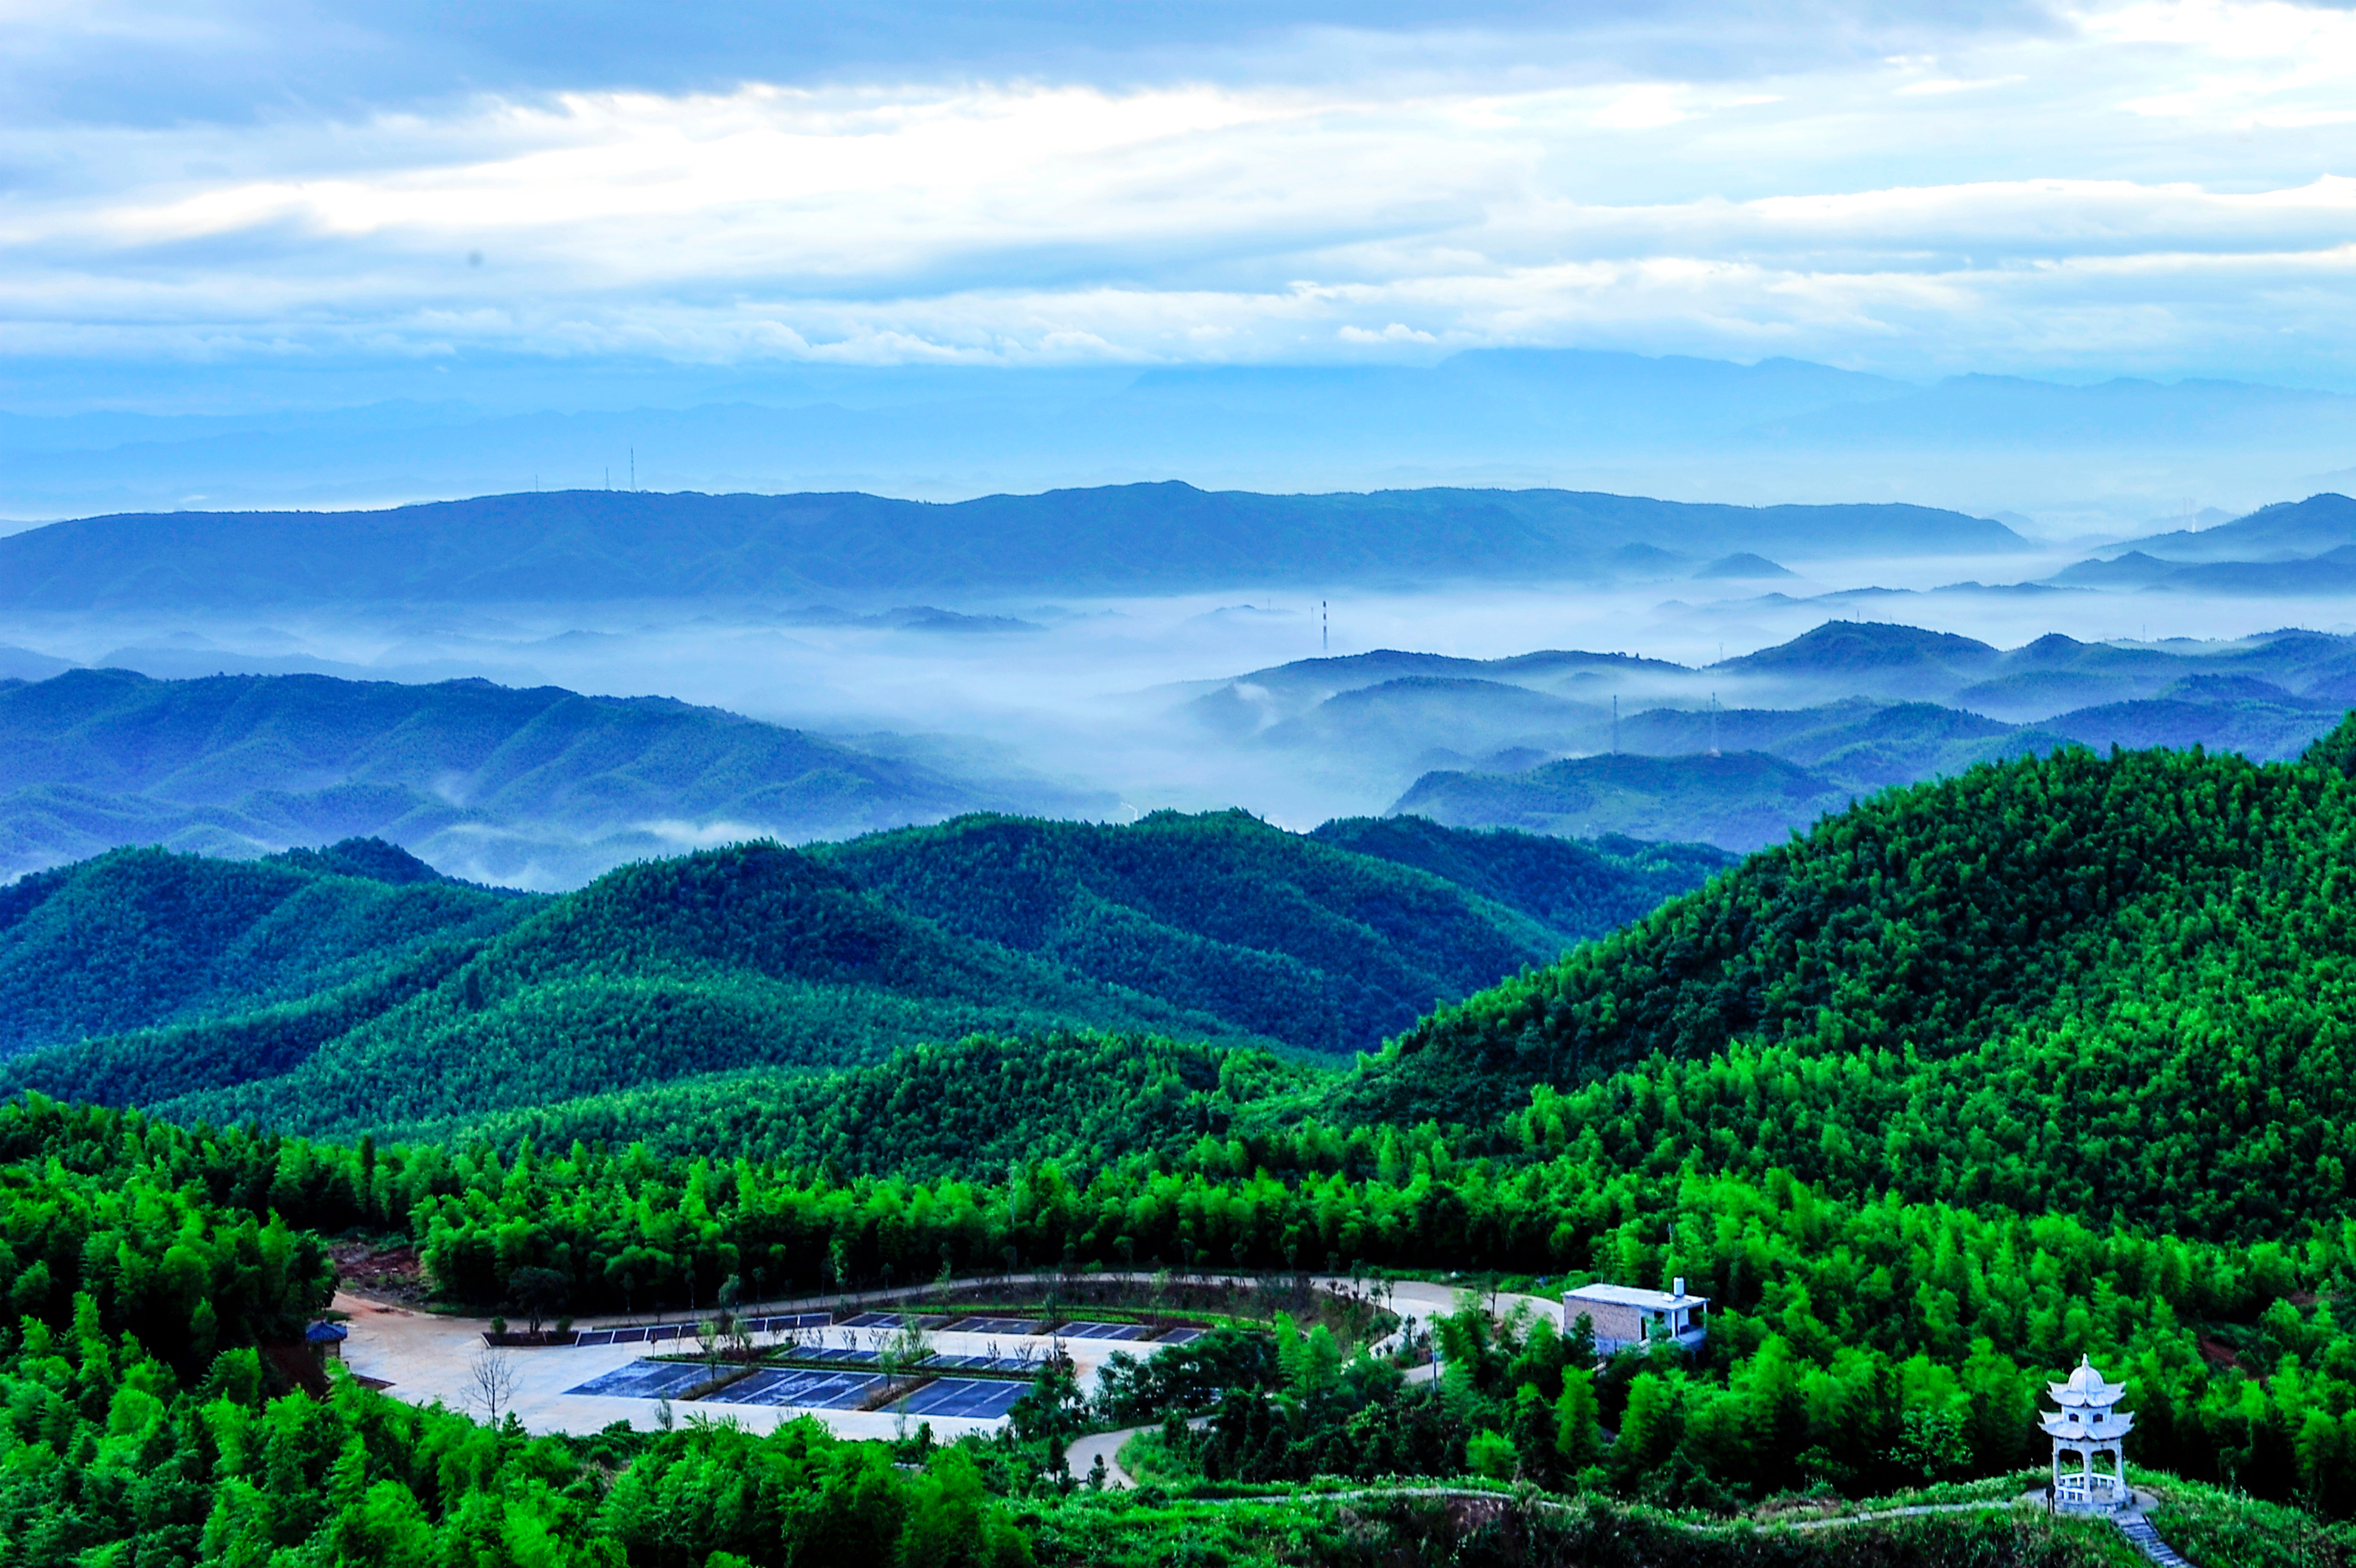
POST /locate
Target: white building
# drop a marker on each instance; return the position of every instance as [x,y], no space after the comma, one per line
[1624,1316]
[2088,1430]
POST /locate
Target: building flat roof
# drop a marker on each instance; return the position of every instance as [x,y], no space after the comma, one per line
[1629,1295]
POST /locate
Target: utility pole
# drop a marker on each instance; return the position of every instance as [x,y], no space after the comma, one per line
[633,468]
[1713,723]
[1615,723]
[1324,630]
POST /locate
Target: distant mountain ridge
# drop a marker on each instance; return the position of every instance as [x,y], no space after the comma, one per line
[2301,547]
[1876,705]
[1585,418]
[587,545]
[1778,770]
[2314,526]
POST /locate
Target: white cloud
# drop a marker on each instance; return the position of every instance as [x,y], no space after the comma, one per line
[2160,183]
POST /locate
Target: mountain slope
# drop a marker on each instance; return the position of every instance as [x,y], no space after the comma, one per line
[1404,723]
[1578,888]
[2320,524]
[1214,927]
[1297,939]
[541,788]
[602,544]
[2168,933]
[142,937]
[750,955]
[963,1109]
[1737,801]
[1665,784]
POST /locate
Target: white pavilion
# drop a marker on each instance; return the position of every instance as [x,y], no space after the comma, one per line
[2087,1429]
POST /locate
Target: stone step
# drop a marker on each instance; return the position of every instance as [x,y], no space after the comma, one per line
[2146,1541]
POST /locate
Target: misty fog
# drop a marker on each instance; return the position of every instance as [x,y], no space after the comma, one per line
[1103,696]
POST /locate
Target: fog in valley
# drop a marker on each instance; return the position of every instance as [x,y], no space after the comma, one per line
[1262,696]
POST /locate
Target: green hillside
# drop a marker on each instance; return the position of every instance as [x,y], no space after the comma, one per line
[2044,1061]
[142,937]
[1581,887]
[1301,940]
[750,956]
[2150,952]
[964,1110]
[310,999]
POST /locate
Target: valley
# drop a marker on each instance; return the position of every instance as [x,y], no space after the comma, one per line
[887,783]
[654,1101]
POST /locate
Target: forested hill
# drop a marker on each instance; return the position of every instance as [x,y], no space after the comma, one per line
[142,937]
[608,544]
[285,991]
[2166,937]
[1334,942]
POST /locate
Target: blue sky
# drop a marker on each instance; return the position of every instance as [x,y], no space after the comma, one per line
[231,191]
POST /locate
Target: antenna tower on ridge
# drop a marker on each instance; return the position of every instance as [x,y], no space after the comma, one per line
[1324,630]
[1615,723]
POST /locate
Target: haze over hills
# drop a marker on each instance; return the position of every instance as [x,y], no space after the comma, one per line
[542,788]
[1805,725]
[930,785]
[2292,548]
[589,545]
[2284,531]
[547,788]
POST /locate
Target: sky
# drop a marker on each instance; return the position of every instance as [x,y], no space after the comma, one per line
[229,187]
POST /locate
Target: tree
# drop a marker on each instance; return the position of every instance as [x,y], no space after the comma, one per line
[541,1292]
[490,1383]
[1576,1440]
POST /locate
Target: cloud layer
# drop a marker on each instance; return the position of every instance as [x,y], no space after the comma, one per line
[2150,187]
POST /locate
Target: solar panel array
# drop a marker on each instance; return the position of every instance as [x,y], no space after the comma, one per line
[1104,1331]
[890,1320]
[971,1398]
[803,1390]
[1182,1336]
[1014,1325]
[633,1336]
[1023,1364]
[644,1379]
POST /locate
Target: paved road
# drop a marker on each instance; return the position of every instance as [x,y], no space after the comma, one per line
[1082,1455]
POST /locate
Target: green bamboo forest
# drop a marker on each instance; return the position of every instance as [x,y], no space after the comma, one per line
[2051,1058]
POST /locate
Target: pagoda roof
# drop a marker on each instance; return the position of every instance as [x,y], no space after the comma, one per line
[2072,1425]
[2086,1390]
